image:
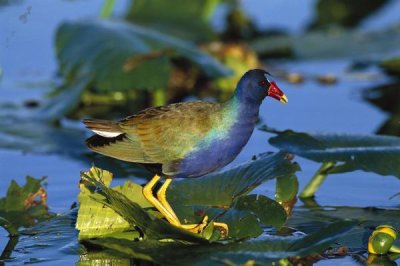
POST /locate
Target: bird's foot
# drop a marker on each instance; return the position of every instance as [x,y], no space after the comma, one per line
[162,205]
[198,228]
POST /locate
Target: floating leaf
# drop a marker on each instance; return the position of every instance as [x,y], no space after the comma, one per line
[371,153]
[158,14]
[265,250]
[97,220]
[213,194]
[128,214]
[268,211]
[112,54]
[308,219]
[24,206]
[229,202]
[221,188]
[332,44]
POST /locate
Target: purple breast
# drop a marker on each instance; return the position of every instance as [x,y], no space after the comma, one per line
[219,153]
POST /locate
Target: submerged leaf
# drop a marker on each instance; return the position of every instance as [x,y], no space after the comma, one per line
[371,153]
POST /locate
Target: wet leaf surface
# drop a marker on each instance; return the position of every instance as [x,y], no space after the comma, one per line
[371,153]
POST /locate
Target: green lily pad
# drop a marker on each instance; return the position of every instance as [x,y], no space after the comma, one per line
[230,203]
[307,219]
[220,189]
[96,220]
[122,56]
[158,14]
[110,208]
[332,44]
[23,206]
[371,153]
[264,250]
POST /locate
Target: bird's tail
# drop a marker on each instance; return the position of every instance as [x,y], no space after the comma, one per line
[104,128]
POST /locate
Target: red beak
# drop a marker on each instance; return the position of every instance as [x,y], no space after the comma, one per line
[276,93]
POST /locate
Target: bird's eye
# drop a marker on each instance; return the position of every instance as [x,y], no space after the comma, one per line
[263,83]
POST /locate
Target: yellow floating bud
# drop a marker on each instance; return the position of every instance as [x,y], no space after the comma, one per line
[381,240]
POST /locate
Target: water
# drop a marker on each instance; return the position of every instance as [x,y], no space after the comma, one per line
[28,64]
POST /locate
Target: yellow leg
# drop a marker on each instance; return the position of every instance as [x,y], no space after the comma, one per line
[162,205]
[148,194]
[162,197]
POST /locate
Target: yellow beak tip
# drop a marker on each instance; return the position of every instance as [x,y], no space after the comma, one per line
[284,99]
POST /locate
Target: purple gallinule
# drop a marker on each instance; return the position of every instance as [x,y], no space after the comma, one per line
[187,139]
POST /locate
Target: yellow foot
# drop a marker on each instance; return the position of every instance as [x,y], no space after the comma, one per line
[161,204]
[196,228]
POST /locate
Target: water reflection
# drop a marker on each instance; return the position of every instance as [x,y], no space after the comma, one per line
[387,98]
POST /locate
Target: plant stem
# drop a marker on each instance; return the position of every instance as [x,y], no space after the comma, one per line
[394,249]
[8,226]
[6,254]
[316,180]
[107,8]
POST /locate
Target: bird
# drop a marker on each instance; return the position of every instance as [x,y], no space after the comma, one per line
[184,140]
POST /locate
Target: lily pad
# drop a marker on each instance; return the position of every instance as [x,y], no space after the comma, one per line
[158,14]
[307,219]
[371,153]
[334,44]
[125,209]
[265,250]
[23,206]
[122,56]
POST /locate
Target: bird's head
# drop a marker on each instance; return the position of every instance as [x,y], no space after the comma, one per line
[256,84]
